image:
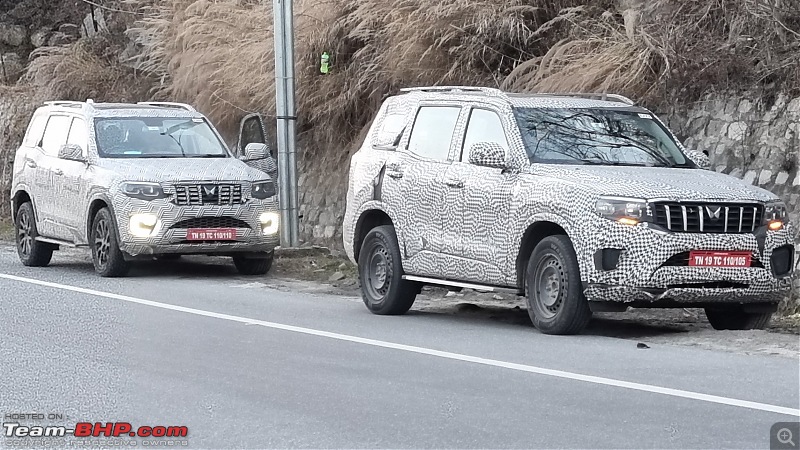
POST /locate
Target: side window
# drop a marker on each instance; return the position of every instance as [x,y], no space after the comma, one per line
[483,126]
[78,134]
[55,134]
[433,131]
[390,130]
[35,130]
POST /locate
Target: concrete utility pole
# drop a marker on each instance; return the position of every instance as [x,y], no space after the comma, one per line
[287,120]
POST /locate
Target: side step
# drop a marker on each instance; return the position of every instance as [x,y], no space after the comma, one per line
[460,284]
[58,242]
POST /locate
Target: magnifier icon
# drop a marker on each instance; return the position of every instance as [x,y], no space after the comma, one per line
[785,436]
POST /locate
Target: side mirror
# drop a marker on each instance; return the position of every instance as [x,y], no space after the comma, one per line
[71,152]
[255,151]
[700,158]
[488,154]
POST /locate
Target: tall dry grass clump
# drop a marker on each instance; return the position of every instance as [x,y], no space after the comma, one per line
[83,70]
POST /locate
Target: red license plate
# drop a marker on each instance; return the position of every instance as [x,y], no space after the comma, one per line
[211,234]
[719,259]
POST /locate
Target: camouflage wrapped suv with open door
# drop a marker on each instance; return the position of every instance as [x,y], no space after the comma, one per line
[141,181]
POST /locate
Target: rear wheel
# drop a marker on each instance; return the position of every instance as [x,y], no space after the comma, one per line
[106,255]
[555,300]
[254,266]
[380,273]
[736,319]
[31,252]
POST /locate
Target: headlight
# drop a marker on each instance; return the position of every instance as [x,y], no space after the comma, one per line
[270,222]
[143,225]
[143,191]
[263,190]
[627,211]
[775,215]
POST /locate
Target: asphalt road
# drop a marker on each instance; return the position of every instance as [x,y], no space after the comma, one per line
[244,363]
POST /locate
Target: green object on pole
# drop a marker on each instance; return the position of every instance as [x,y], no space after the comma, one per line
[324,66]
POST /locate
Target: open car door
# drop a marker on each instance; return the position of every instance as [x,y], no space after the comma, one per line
[253,131]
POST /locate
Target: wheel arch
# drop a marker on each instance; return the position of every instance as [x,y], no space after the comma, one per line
[21,196]
[98,203]
[534,233]
[368,220]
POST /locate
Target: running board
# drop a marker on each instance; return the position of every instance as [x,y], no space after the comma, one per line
[56,242]
[475,287]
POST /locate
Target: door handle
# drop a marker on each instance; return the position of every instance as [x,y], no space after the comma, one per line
[30,163]
[454,183]
[58,172]
[394,170]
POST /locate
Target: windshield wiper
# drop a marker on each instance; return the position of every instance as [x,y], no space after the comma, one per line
[598,162]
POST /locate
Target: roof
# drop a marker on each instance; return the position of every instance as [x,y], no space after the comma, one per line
[526,100]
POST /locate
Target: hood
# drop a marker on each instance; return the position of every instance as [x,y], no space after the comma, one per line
[656,182]
[182,169]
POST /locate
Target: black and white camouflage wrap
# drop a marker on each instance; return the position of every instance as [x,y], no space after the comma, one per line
[464,222]
[62,192]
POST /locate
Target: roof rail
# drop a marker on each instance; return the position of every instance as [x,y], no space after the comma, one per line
[454,89]
[596,96]
[68,103]
[169,105]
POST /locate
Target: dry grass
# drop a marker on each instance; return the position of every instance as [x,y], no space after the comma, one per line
[83,70]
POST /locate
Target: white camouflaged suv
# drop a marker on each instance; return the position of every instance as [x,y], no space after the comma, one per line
[580,202]
[141,181]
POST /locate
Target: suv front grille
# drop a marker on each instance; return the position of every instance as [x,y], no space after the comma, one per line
[208,194]
[708,217]
[211,222]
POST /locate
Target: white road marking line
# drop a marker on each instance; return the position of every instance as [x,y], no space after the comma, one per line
[426,351]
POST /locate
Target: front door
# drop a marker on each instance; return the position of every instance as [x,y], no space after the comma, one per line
[75,188]
[478,204]
[413,188]
[253,131]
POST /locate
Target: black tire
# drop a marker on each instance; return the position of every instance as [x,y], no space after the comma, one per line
[32,253]
[254,266]
[736,319]
[554,292]
[380,272]
[106,255]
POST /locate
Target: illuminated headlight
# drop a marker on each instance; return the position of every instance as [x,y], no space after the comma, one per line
[143,191]
[627,211]
[775,215]
[143,225]
[263,190]
[270,222]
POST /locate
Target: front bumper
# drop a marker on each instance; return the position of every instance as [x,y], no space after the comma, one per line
[653,267]
[169,239]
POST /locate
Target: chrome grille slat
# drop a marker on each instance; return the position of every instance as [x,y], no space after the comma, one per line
[707,217]
[685,219]
[741,216]
[727,209]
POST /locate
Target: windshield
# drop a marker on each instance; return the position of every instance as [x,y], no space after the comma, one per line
[157,137]
[597,136]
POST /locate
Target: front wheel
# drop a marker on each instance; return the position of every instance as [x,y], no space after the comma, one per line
[555,300]
[254,266]
[736,319]
[31,252]
[380,272]
[106,255]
